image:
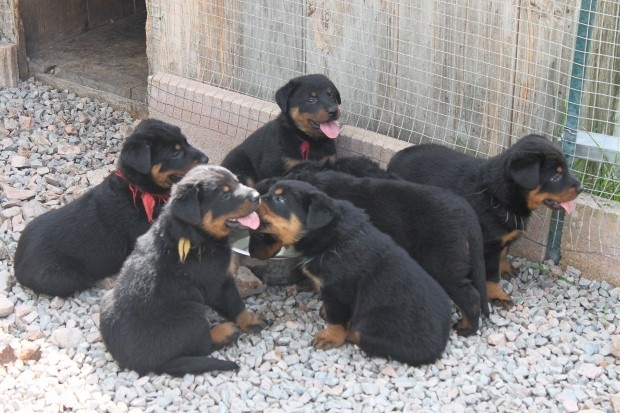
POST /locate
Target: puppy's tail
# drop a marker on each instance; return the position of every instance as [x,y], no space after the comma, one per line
[478,270]
[180,366]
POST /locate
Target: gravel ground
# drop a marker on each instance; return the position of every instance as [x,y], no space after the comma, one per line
[556,350]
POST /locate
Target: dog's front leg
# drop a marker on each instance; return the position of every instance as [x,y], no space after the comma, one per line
[334,335]
[230,305]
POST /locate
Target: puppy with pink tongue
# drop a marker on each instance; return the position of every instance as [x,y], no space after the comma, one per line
[305,130]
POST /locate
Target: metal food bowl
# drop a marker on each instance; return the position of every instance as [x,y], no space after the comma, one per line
[282,269]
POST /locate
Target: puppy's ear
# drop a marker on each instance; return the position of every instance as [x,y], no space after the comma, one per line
[320,212]
[263,186]
[187,208]
[283,94]
[137,155]
[525,170]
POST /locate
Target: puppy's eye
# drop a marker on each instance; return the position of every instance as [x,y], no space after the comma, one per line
[279,199]
[556,177]
[312,99]
[177,153]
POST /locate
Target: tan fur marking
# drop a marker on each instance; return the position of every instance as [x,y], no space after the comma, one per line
[247,320]
[535,198]
[504,265]
[354,337]
[495,292]
[223,333]
[331,337]
[290,163]
[302,121]
[463,323]
[233,266]
[217,226]
[315,279]
[287,231]
[511,236]
[164,179]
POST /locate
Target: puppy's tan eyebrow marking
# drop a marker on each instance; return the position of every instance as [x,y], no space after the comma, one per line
[279,191]
[177,147]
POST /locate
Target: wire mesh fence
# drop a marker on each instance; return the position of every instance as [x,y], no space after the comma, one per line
[473,75]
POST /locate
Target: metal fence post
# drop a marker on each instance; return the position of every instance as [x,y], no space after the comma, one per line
[569,137]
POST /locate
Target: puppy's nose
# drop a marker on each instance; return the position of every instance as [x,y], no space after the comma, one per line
[254,196]
[333,112]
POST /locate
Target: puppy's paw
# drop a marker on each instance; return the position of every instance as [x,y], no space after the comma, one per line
[250,322]
[464,328]
[331,337]
[224,333]
[497,296]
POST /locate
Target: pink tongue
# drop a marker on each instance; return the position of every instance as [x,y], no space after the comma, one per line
[331,129]
[251,221]
[569,207]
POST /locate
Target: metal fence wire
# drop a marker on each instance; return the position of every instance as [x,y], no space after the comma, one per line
[474,75]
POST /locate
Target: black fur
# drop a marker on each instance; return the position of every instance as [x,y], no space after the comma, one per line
[374,293]
[155,318]
[306,102]
[70,248]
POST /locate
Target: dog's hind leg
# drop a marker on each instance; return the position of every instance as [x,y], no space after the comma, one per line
[223,334]
[467,299]
[195,365]
[55,283]
[401,350]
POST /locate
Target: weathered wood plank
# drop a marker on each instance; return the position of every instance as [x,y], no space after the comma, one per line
[9,72]
[45,25]
[238,45]
[601,95]
[545,46]
[432,70]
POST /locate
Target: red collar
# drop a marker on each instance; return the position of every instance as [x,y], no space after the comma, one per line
[304,149]
[149,200]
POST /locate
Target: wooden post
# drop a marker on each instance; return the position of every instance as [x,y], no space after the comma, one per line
[9,71]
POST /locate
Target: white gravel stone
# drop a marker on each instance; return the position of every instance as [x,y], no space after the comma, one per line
[6,306]
[66,338]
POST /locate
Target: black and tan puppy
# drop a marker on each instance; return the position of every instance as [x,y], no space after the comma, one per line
[70,248]
[305,130]
[437,228]
[374,294]
[155,318]
[503,190]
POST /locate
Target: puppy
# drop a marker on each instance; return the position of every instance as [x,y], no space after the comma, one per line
[70,248]
[437,228]
[305,130]
[374,294]
[503,190]
[155,318]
